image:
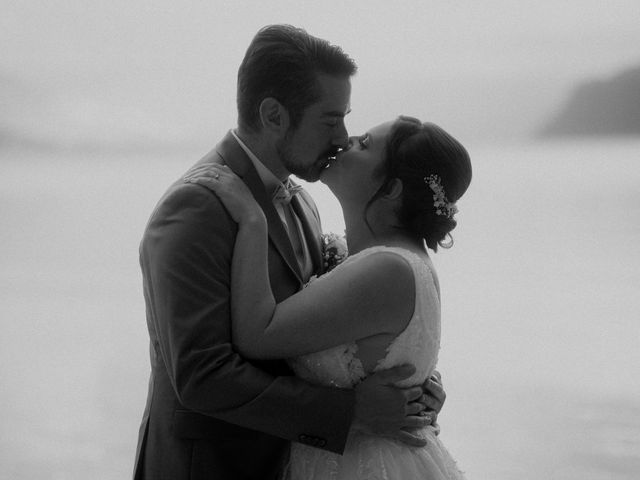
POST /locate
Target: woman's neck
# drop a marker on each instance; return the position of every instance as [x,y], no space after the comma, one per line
[361,236]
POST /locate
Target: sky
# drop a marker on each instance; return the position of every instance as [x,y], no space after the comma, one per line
[162,73]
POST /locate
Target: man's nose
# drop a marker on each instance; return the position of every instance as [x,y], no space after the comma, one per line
[341,137]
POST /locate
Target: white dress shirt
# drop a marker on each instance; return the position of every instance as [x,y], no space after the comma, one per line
[272,184]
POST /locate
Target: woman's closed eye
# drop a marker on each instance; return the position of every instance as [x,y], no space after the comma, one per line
[364,141]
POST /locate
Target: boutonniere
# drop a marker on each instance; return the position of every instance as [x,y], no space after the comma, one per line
[334,250]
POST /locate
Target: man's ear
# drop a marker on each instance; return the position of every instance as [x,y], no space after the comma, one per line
[394,189]
[273,116]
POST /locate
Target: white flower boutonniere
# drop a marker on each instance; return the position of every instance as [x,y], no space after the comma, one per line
[334,250]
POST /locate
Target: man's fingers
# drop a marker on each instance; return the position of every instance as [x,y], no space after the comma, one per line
[416,421]
[434,395]
[432,402]
[413,408]
[413,394]
[434,386]
[432,417]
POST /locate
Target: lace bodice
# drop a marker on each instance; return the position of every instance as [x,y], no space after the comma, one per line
[418,344]
[368,457]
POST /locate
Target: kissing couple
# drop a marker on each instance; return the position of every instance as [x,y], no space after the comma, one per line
[256,372]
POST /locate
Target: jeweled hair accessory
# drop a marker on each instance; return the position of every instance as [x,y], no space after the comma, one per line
[440,201]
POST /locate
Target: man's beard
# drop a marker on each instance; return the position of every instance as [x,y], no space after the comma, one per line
[308,173]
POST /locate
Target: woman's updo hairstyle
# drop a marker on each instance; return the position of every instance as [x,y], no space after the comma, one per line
[415,151]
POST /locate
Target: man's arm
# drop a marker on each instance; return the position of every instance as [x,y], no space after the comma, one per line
[186,258]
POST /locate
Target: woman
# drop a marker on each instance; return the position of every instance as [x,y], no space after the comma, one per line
[397,185]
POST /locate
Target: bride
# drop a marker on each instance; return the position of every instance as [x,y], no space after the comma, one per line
[398,185]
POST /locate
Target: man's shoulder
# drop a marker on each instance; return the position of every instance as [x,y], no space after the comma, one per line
[184,206]
[183,196]
[186,215]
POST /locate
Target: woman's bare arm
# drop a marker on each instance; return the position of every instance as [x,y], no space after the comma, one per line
[368,296]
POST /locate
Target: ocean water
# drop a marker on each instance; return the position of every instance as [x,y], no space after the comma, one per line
[541,311]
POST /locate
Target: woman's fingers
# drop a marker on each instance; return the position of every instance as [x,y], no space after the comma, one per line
[209,170]
[209,182]
[229,188]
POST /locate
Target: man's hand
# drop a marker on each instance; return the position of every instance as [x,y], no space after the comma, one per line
[385,410]
[433,398]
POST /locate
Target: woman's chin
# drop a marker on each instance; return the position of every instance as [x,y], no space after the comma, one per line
[330,177]
[326,177]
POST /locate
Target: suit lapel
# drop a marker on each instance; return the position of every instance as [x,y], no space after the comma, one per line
[308,215]
[234,156]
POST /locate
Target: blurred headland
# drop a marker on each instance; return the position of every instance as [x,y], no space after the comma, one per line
[600,107]
[36,116]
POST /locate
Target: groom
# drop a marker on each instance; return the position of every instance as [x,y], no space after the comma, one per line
[211,413]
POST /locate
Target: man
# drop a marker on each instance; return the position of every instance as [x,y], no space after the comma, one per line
[210,413]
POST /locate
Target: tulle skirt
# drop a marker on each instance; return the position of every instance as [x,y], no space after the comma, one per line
[374,458]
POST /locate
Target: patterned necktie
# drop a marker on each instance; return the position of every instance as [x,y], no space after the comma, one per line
[285,192]
[282,197]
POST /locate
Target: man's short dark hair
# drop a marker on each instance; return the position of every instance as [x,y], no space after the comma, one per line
[283,62]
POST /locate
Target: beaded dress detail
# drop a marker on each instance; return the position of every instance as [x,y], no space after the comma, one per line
[374,458]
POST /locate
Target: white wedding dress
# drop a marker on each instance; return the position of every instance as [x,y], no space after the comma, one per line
[368,457]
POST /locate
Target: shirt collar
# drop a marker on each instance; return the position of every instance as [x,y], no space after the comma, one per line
[269,180]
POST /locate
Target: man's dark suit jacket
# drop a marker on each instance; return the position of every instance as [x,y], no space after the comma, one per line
[210,413]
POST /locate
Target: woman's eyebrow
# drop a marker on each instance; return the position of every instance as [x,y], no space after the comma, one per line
[337,113]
